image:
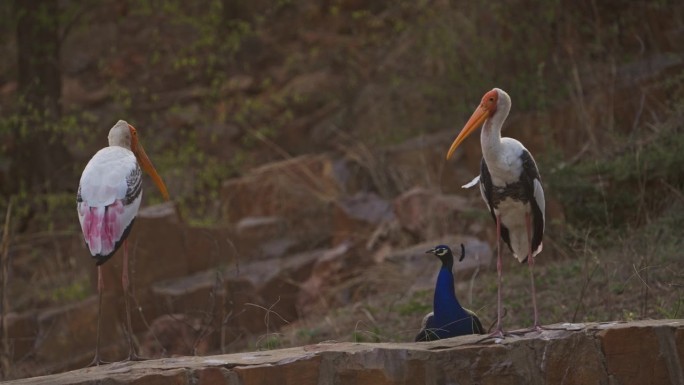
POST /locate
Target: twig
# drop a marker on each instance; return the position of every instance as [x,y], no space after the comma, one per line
[225,317]
[267,316]
[358,332]
[207,322]
[148,326]
[585,252]
[549,240]
[579,155]
[637,116]
[645,289]
[4,360]
[472,279]
[676,313]
[606,212]
[583,292]
[224,321]
[578,97]
[636,272]
[71,23]
[674,190]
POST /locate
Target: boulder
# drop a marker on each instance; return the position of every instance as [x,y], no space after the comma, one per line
[260,227]
[277,283]
[298,190]
[355,217]
[156,250]
[422,163]
[328,271]
[292,189]
[199,293]
[266,237]
[73,328]
[207,248]
[176,335]
[245,298]
[428,214]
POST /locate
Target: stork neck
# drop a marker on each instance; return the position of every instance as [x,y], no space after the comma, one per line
[490,137]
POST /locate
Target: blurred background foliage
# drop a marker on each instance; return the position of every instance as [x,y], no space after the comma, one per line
[213,85]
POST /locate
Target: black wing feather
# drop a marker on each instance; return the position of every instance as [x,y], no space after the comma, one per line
[134,185]
[488,187]
[530,173]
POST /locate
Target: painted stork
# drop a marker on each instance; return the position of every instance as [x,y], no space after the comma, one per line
[448,318]
[108,198]
[511,187]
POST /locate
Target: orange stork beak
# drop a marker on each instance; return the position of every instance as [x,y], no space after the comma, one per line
[476,120]
[145,163]
[486,109]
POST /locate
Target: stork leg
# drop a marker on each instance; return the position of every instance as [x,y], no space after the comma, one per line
[536,327]
[498,332]
[530,263]
[132,356]
[100,287]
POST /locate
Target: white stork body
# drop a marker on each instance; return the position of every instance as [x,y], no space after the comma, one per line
[510,186]
[108,198]
[506,167]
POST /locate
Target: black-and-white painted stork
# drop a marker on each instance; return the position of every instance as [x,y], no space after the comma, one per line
[510,185]
[108,199]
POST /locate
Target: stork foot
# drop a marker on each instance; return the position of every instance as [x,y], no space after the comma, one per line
[136,357]
[97,361]
[532,329]
[497,334]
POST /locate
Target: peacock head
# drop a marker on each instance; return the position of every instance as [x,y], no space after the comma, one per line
[443,252]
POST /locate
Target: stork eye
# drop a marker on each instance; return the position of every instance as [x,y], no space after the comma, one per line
[491,100]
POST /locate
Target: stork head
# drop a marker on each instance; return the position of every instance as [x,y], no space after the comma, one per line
[443,252]
[496,100]
[125,135]
[120,135]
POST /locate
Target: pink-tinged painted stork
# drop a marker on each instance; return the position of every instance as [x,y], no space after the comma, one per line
[510,185]
[108,199]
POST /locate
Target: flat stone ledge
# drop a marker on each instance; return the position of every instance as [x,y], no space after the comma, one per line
[639,352]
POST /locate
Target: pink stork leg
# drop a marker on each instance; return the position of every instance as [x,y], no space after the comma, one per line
[100,287]
[132,356]
[498,332]
[530,263]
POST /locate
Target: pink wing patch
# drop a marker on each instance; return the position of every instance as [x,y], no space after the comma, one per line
[102,227]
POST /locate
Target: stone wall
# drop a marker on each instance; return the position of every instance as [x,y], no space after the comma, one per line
[639,353]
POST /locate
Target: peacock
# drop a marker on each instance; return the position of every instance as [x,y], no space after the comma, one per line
[448,318]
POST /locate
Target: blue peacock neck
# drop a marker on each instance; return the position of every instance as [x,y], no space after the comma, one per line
[446,306]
